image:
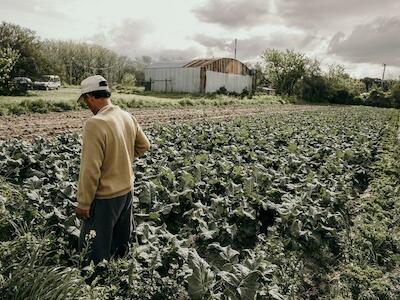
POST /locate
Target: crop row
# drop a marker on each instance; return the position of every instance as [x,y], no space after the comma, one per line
[259,207]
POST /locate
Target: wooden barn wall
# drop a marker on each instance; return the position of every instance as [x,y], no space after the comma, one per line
[228,66]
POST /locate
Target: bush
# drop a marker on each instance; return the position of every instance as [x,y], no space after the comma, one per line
[8,59]
[186,102]
[17,109]
[38,106]
[395,95]
[244,93]
[222,91]
[345,91]
[313,89]
[377,98]
[64,106]
[340,96]
[128,80]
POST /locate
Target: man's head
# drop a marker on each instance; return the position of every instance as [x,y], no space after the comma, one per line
[95,93]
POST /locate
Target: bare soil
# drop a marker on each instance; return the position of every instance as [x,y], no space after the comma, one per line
[50,124]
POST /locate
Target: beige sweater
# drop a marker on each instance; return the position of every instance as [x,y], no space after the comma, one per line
[111,140]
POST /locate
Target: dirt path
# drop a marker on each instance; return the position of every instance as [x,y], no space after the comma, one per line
[30,125]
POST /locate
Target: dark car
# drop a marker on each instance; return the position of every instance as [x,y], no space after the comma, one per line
[22,84]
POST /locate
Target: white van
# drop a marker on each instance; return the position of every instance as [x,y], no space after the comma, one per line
[48,82]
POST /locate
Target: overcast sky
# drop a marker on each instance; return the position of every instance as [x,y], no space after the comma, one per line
[361,34]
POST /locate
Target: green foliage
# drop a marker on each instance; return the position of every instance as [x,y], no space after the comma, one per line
[395,95]
[74,61]
[25,43]
[341,87]
[312,89]
[372,269]
[35,103]
[8,59]
[285,68]
[38,106]
[292,73]
[201,278]
[128,80]
[254,208]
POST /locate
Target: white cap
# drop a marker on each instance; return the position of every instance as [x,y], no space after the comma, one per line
[93,83]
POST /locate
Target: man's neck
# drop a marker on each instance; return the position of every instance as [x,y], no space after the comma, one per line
[102,105]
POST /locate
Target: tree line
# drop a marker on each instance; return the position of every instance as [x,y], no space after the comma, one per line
[23,54]
[294,74]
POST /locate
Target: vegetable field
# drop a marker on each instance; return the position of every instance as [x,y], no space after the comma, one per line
[303,205]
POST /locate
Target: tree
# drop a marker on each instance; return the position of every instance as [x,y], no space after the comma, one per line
[8,59]
[342,88]
[28,47]
[74,61]
[313,89]
[368,82]
[285,68]
[395,94]
[128,80]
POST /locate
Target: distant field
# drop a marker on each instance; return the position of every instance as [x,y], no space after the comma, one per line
[65,100]
[64,94]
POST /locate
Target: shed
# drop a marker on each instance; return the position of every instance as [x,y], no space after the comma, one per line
[200,76]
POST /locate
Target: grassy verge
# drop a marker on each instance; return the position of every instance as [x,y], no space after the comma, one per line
[65,100]
[371,269]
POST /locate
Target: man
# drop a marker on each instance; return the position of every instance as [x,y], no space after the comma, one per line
[112,138]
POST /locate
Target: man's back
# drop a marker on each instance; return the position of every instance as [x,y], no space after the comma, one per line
[112,138]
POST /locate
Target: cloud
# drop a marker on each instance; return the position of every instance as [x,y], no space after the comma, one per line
[43,8]
[175,54]
[377,42]
[233,13]
[125,38]
[252,47]
[328,14]
[129,39]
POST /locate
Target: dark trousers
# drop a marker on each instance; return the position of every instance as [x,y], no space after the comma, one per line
[112,222]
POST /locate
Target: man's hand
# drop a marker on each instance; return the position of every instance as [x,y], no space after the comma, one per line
[82,214]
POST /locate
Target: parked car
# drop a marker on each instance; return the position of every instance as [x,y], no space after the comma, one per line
[47,82]
[22,84]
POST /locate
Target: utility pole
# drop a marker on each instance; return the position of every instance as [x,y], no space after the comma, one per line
[383,75]
[235,47]
[70,71]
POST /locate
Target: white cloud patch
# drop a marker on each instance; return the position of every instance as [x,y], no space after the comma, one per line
[130,38]
[234,13]
[252,47]
[328,14]
[126,38]
[377,42]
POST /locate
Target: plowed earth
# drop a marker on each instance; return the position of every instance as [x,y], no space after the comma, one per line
[31,125]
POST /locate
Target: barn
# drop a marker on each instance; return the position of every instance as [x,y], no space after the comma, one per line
[200,76]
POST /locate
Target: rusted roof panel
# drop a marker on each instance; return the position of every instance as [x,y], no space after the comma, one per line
[200,62]
[223,65]
[169,64]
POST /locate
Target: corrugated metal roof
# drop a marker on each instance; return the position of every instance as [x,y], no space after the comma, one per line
[200,62]
[169,64]
[225,65]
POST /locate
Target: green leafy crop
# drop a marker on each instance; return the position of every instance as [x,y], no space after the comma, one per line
[294,206]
